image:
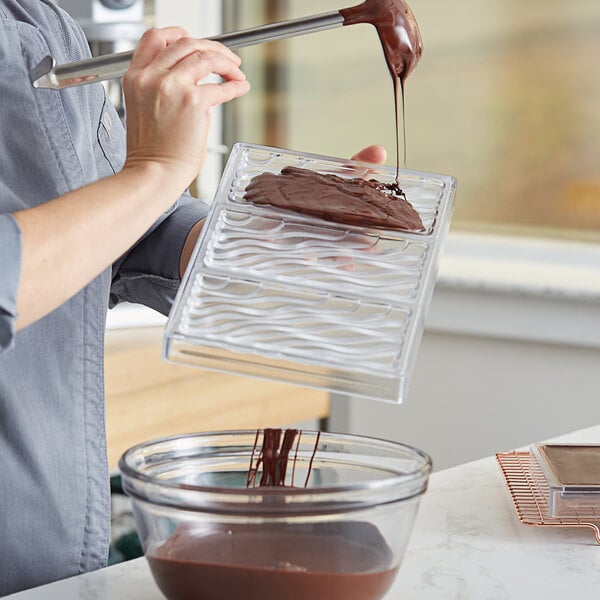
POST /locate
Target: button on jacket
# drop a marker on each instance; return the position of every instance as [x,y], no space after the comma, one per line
[54,485]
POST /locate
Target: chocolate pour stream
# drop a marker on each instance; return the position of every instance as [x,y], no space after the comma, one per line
[274,457]
[229,559]
[357,201]
[402,47]
[185,566]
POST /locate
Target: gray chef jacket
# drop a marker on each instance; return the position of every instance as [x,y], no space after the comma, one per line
[54,485]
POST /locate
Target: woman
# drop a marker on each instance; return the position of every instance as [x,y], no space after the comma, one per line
[85,220]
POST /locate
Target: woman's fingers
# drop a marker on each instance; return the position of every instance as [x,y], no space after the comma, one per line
[182,47]
[169,99]
[219,93]
[153,42]
[184,79]
[166,47]
[185,61]
[375,154]
[200,64]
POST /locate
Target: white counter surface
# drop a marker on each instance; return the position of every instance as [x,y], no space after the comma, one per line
[467,544]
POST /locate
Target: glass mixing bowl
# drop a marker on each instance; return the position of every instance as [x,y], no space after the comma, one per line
[338,529]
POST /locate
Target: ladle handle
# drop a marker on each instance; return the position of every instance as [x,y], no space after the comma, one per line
[112,66]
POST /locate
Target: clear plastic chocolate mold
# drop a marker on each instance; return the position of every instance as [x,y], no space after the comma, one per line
[286,296]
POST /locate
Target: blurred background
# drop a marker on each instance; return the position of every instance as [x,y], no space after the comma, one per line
[506,99]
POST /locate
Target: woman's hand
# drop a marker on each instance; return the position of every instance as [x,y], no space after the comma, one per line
[68,241]
[168,100]
[372,154]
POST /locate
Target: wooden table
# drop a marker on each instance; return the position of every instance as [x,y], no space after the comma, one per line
[147,397]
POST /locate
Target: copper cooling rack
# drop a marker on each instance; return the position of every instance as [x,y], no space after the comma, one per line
[530,493]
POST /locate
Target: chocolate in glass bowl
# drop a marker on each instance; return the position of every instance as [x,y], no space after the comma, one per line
[272,561]
[206,535]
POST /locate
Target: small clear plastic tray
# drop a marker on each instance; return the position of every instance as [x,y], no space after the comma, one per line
[572,472]
[288,297]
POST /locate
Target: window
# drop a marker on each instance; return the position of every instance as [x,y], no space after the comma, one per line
[506,99]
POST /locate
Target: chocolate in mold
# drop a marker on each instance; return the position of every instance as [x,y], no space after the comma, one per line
[576,465]
[354,201]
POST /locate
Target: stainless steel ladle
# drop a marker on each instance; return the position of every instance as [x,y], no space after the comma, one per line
[112,66]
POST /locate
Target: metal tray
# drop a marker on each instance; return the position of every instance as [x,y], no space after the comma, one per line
[529,490]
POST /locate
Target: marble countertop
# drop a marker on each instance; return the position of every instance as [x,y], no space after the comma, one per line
[467,544]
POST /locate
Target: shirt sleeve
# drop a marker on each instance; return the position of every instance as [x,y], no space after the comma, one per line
[149,273]
[10,272]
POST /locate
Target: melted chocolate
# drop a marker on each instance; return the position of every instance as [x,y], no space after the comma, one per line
[274,457]
[401,42]
[354,201]
[340,560]
[322,561]
[397,29]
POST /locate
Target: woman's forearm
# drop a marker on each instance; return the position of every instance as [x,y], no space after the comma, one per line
[69,241]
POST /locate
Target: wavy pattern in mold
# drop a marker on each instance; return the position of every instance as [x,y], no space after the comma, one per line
[335,259]
[316,327]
